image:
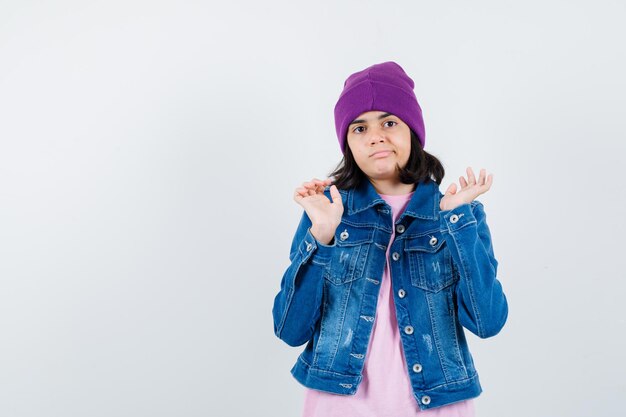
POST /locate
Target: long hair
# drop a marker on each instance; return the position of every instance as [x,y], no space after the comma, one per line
[420,167]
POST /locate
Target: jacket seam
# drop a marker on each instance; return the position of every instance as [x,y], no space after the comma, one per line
[290,285]
[470,285]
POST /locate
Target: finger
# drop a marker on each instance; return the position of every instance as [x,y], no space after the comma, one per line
[304,189]
[481,177]
[324,181]
[316,184]
[489,181]
[463,182]
[302,192]
[319,186]
[470,176]
[310,187]
[297,196]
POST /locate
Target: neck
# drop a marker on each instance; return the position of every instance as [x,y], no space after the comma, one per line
[391,187]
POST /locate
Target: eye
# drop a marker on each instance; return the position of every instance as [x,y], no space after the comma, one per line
[358,127]
[391,121]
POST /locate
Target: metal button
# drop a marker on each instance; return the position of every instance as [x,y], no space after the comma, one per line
[395,256]
[400,228]
[401,293]
[433,241]
[408,330]
[309,246]
[425,400]
[454,218]
[417,368]
[344,235]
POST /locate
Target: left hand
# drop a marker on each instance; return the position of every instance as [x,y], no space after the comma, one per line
[470,189]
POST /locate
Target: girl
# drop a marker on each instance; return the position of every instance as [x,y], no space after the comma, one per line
[386,271]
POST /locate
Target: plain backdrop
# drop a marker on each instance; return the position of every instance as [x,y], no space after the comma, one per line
[148,155]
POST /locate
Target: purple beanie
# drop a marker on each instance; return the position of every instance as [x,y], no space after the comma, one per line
[383,87]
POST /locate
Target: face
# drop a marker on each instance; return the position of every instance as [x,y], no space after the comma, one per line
[379,142]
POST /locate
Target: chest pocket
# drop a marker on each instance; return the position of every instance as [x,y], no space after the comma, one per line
[350,254]
[430,262]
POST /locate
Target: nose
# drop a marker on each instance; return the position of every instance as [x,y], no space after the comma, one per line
[376,136]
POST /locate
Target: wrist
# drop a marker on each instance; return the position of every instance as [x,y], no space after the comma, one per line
[452,206]
[323,234]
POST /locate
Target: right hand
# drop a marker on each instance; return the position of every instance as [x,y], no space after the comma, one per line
[325,215]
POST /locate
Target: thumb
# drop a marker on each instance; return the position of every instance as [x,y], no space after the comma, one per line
[451,189]
[336,196]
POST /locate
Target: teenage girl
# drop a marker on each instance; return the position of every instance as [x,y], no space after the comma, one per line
[386,271]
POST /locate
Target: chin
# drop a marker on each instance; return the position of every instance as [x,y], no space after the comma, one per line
[382,175]
[385,171]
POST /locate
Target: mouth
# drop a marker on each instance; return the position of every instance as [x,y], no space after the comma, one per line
[381,154]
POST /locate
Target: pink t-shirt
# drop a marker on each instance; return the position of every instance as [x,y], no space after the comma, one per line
[385,390]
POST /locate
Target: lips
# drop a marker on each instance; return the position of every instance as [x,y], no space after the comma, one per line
[383,153]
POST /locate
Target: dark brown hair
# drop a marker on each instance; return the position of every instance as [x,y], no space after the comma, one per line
[420,167]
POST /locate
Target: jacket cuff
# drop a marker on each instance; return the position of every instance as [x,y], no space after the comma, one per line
[311,248]
[457,218]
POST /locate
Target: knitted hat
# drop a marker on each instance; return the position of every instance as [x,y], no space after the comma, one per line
[383,87]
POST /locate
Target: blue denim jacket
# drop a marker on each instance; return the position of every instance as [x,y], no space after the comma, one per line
[444,279]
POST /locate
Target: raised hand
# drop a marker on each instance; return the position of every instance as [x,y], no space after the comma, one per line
[470,189]
[325,215]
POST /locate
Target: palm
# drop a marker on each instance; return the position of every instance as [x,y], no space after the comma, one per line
[318,207]
[470,189]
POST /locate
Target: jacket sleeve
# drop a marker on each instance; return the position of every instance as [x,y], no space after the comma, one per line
[481,303]
[297,305]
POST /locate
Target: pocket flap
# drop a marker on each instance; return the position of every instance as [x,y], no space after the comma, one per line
[430,242]
[347,235]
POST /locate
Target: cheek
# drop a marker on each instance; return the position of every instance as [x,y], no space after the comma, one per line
[405,153]
[356,150]
[360,159]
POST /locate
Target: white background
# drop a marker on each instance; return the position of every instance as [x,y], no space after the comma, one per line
[148,156]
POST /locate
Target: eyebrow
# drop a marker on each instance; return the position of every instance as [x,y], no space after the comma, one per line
[382,116]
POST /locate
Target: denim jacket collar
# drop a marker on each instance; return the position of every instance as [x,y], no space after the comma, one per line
[424,203]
